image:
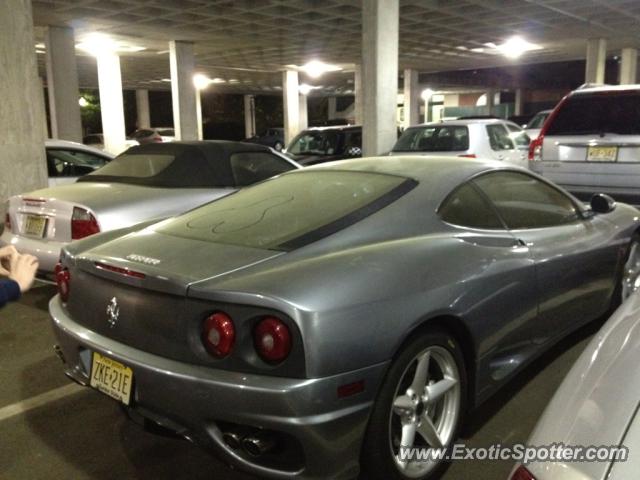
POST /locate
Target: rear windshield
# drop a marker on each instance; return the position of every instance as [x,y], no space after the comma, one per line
[538,120]
[441,138]
[169,169]
[584,114]
[290,211]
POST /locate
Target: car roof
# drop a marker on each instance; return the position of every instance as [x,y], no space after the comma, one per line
[334,127]
[56,143]
[444,171]
[476,121]
[605,88]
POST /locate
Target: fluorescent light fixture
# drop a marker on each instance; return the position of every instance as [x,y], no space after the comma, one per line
[305,89]
[426,94]
[40,46]
[168,80]
[99,44]
[316,68]
[514,47]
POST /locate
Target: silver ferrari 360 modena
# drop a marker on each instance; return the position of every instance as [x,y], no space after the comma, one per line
[315,323]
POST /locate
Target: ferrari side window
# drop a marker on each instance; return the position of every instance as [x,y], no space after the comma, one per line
[526,202]
[467,208]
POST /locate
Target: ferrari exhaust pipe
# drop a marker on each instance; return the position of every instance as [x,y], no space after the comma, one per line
[258,444]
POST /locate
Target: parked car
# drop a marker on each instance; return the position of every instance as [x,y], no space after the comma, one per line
[325,144]
[145,182]
[67,161]
[591,143]
[597,403]
[311,324]
[535,125]
[272,137]
[153,135]
[96,140]
[491,139]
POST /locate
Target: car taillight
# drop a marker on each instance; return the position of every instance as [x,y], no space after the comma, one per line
[218,334]
[83,224]
[63,277]
[522,474]
[468,155]
[535,149]
[272,340]
[7,222]
[157,139]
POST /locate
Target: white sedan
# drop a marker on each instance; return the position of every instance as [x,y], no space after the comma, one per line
[67,161]
[597,403]
[491,139]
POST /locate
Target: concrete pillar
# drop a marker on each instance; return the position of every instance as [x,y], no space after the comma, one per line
[596,57]
[332,109]
[304,118]
[199,113]
[62,83]
[628,66]
[249,116]
[111,101]
[183,91]
[380,25]
[22,163]
[519,103]
[291,99]
[142,108]
[491,100]
[357,88]
[411,98]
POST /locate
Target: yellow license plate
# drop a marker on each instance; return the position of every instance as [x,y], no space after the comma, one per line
[111,378]
[35,225]
[602,154]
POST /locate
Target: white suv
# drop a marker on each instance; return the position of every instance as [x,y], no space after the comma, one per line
[591,143]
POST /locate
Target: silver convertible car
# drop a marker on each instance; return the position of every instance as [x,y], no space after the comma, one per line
[146,182]
[314,323]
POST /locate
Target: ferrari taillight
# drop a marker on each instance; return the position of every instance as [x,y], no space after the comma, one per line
[218,334]
[63,277]
[83,224]
[522,473]
[272,340]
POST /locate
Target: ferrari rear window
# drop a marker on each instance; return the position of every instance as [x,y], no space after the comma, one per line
[291,210]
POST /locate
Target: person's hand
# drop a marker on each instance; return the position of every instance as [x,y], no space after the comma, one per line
[6,254]
[22,270]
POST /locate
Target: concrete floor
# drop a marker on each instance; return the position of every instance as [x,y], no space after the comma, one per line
[81,434]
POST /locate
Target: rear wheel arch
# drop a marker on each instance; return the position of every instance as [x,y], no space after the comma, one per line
[454,326]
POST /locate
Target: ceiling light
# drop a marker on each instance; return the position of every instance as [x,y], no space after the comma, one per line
[426,94]
[201,81]
[516,46]
[305,89]
[315,68]
[98,44]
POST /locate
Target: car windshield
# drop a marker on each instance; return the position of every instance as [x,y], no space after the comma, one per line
[141,134]
[166,132]
[538,120]
[600,113]
[290,211]
[315,142]
[440,138]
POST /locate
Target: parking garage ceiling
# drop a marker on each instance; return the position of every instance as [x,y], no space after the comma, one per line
[247,43]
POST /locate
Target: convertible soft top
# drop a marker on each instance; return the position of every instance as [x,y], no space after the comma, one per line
[196,164]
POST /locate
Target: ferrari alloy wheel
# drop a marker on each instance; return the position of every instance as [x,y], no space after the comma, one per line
[631,271]
[421,404]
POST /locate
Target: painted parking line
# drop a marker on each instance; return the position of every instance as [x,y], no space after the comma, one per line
[39,401]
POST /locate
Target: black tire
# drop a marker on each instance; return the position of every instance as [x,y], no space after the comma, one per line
[377,461]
